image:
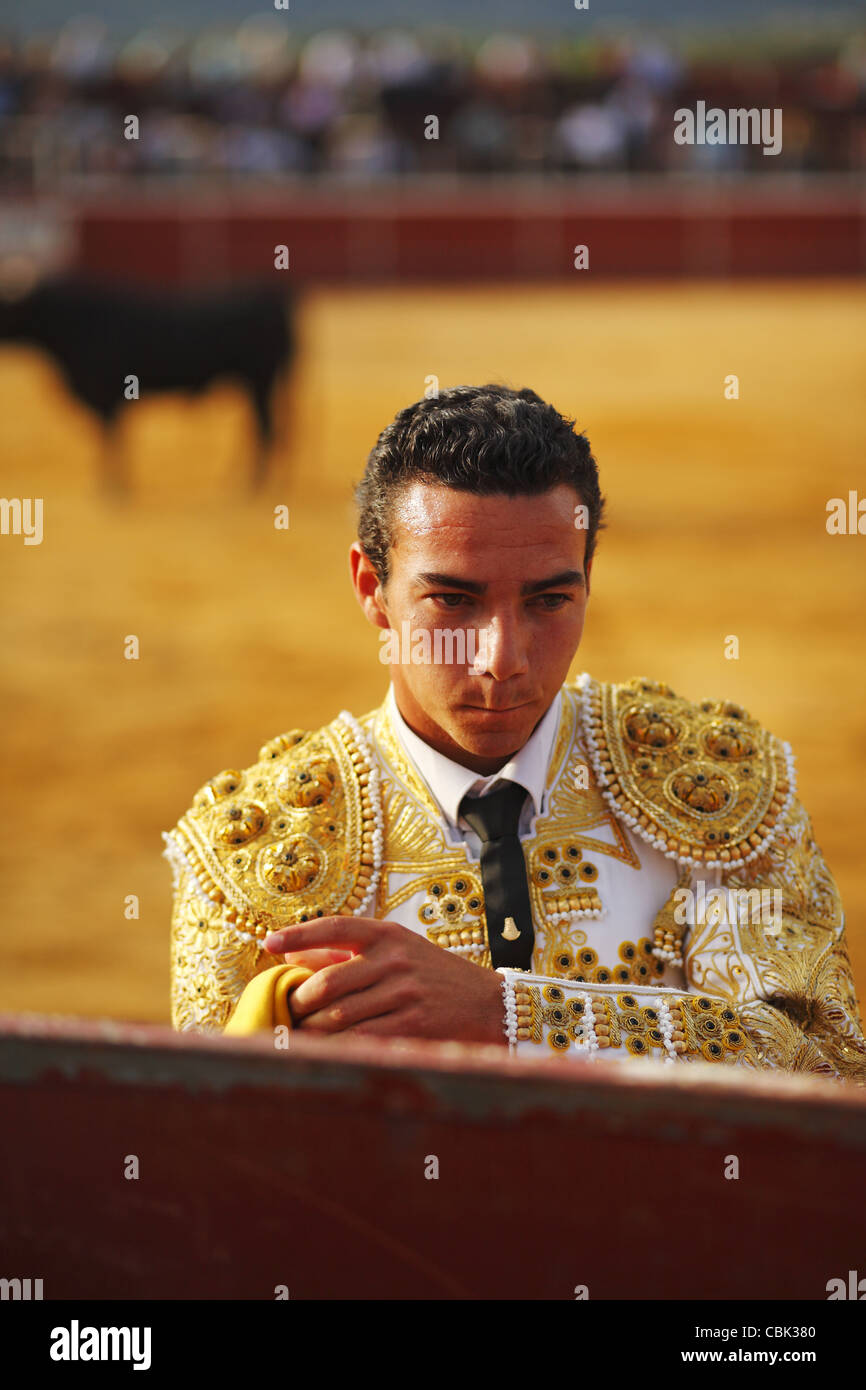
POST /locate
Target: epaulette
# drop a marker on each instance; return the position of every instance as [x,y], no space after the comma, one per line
[295,836]
[702,782]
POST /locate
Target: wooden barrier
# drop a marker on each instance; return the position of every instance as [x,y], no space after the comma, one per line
[518,232]
[346,1169]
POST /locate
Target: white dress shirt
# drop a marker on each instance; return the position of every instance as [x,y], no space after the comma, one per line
[448,782]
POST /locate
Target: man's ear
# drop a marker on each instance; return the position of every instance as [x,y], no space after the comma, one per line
[587,570]
[368,589]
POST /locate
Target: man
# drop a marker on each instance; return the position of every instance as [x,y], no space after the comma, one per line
[635,868]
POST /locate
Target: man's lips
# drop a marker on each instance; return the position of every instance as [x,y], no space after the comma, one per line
[497,709]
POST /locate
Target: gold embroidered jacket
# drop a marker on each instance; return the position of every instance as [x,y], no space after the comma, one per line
[682,908]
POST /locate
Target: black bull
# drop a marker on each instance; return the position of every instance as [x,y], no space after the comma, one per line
[101,333]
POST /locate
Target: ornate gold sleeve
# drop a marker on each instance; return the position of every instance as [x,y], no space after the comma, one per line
[545,1016]
[211,961]
[769,938]
[293,837]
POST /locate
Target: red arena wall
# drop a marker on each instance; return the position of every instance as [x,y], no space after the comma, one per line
[500,234]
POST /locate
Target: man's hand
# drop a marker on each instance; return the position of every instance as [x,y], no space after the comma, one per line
[383,980]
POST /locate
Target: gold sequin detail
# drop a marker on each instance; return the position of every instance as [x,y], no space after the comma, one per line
[636,965]
[564,877]
[210,965]
[288,839]
[452,912]
[702,1029]
[713,1030]
[705,780]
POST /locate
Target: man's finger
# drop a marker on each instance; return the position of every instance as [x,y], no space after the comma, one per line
[359,1007]
[325,931]
[328,986]
[316,960]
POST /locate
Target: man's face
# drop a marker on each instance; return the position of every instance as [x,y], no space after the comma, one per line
[511,571]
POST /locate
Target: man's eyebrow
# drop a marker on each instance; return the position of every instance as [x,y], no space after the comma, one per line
[564,580]
[432,579]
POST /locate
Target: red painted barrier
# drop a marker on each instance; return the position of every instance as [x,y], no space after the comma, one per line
[511,232]
[344,1170]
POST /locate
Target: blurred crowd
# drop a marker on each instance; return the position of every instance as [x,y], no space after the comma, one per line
[257,102]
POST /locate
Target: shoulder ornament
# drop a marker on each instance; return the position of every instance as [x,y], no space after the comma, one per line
[702,782]
[297,835]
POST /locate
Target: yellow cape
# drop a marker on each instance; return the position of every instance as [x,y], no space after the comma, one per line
[264,1004]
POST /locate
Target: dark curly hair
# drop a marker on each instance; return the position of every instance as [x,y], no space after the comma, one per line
[481,439]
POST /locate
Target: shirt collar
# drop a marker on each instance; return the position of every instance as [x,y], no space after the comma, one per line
[448,782]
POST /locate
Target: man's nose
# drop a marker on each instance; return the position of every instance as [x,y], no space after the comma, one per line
[502,649]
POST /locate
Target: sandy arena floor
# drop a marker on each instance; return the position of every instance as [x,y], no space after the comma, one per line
[717,527]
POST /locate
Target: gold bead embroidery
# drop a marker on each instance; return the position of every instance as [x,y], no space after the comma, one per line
[637,965]
[294,851]
[712,1028]
[703,782]
[703,1029]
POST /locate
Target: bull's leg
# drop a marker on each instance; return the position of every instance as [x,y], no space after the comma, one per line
[261,397]
[282,409]
[115,483]
[262,406]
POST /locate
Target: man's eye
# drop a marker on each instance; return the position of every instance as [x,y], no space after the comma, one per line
[551,601]
[449,600]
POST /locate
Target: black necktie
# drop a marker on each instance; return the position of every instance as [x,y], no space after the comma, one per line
[495,819]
